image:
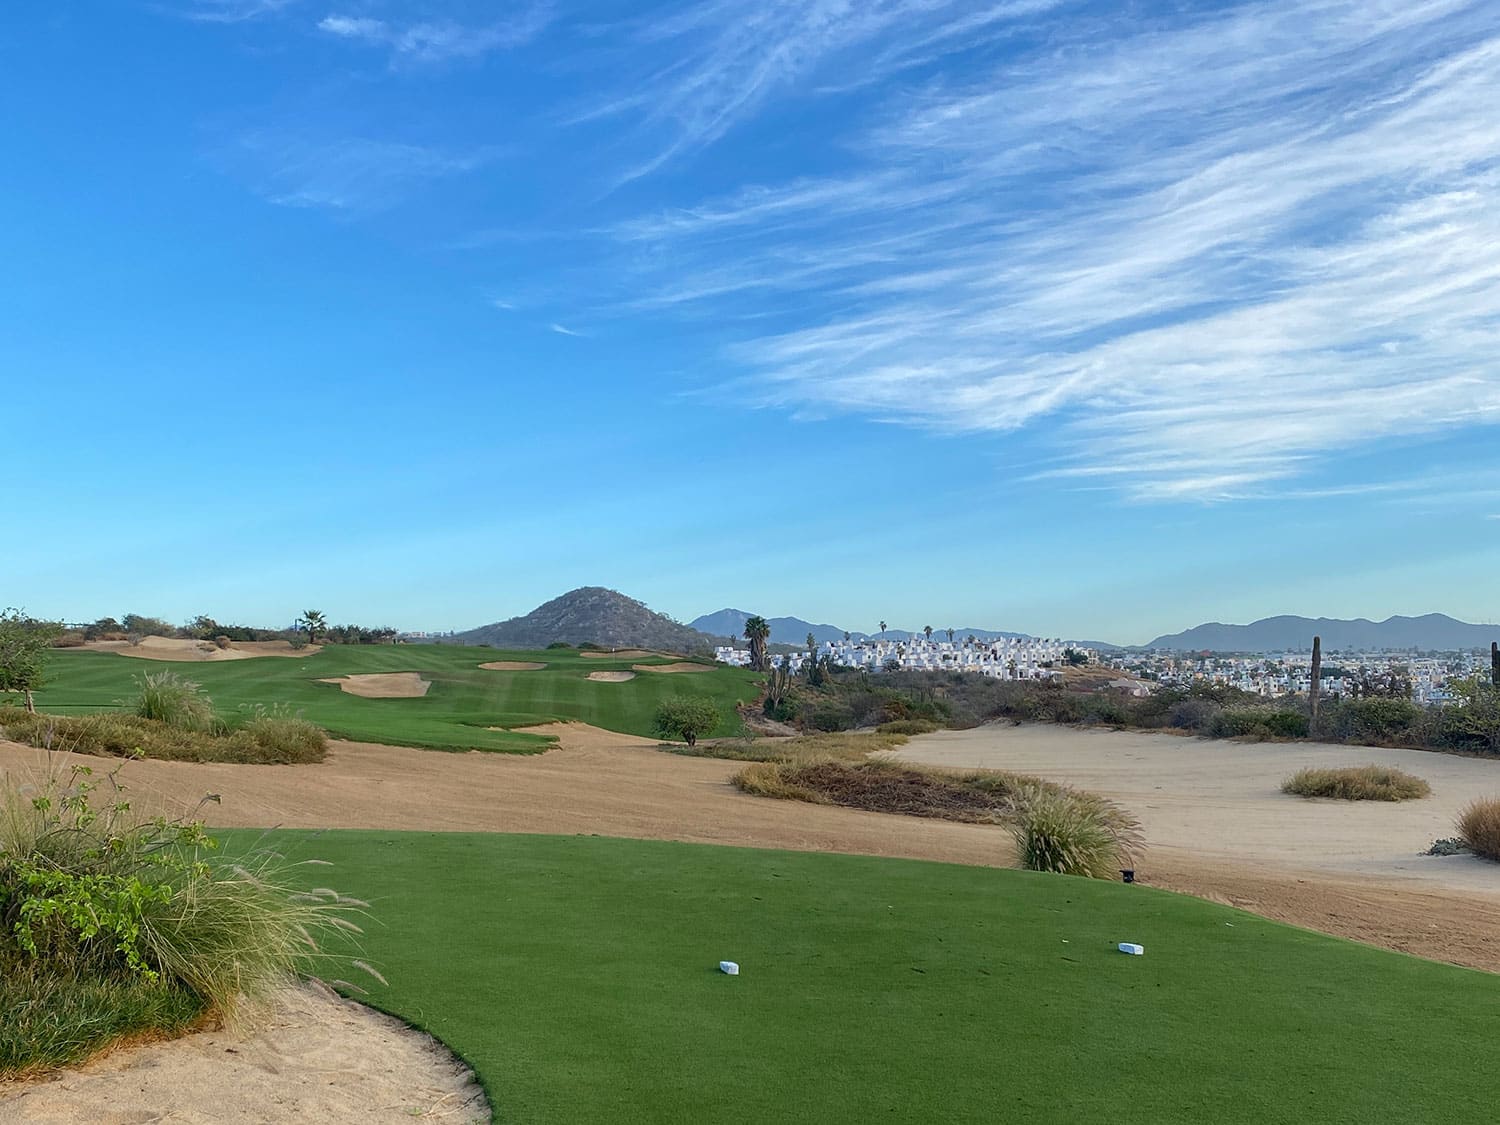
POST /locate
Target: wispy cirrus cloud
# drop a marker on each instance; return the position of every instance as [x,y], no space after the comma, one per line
[698,69]
[439,40]
[354,175]
[1201,257]
[229,11]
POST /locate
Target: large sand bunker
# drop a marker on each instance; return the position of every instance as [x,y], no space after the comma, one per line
[383,685]
[316,1057]
[173,648]
[680,666]
[620,654]
[610,677]
[513,666]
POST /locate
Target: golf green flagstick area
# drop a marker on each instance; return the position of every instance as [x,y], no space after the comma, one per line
[457,712]
[577,975]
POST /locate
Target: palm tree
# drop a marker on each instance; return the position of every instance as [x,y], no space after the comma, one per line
[757,630]
[950,636]
[882,628]
[313,621]
[928,630]
[847,639]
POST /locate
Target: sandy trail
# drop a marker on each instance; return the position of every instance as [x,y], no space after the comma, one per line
[1220,802]
[315,1057]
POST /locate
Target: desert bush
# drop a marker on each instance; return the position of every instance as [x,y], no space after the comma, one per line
[1357,783]
[1374,720]
[771,779]
[221,641]
[909,726]
[1258,722]
[559,644]
[113,922]
[1072,833]
[285,737]
[1193,714]
[166,697]
[70,638]
[116,734]
[1479,826]
[687,717]
[1448,845]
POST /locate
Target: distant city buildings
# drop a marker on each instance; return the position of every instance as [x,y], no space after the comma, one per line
[1010,658]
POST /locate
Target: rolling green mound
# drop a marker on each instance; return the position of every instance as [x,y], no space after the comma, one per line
[578,977]
[463,702]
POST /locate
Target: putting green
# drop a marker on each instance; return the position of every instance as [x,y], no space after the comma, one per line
[577,976]
[457,712]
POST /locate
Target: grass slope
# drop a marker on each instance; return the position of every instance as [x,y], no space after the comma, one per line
[462,703]
[577,976]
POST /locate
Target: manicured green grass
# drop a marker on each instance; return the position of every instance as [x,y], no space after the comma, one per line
[577,976]
[463,702]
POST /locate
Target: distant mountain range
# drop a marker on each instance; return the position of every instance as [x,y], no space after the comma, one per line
[592,614]
[1281,634]
[793,630]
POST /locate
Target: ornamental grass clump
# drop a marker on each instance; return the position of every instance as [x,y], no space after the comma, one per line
[115,923]
[1071,833]
[1357,783]
[1479,826]
[168,698]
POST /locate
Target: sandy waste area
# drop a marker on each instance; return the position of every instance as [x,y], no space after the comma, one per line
[1215,822]
[173,648]
[610,677]
[513,666]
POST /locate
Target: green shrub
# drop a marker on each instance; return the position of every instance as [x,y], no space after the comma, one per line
[117,734]
[1479,826]
[1357,783]
[113,922]
[559,644]
[1371,720]
[1258,722]
[179,703]
[1193,714]
[1072,833]
[1448,845]
[687,717]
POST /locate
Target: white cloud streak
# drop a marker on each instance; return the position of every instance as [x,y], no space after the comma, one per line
[1201,257]
[438,41]
[231,11]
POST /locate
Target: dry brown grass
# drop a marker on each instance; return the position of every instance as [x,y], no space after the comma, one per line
[1357,783]
[1479,825]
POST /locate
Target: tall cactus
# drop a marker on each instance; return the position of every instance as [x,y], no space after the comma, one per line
[1495,664]
[1317,672]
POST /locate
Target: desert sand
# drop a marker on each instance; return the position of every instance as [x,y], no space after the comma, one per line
[383,685]
[610,677]
[315,1057]
[172,648]
[1212,800]
[513,666]
[680,666]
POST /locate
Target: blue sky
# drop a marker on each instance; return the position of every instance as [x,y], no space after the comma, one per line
[1085,319]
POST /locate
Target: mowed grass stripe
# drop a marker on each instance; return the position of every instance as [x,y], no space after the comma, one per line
[462,703]
[577,976]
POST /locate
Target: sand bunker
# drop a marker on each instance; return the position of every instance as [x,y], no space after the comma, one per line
[316,1057]
[512,666]
[680,666]
[620,654]
[383,685]
[172,648]
[610,677]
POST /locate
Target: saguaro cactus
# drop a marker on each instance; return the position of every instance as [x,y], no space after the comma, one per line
[1314,690]
[1495,664]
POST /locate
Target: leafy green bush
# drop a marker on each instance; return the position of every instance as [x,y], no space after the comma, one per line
[168,698]
[1479,826]
[687,717]
[1448,845]
[1258,722]
[1357,783]
[1072,833]
[559,644]
[113,922]
[1371,720]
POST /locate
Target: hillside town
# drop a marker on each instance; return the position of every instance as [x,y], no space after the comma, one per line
[1289,673]
[1009,658]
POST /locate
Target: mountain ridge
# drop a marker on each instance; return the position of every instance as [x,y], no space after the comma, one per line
[592,614]
[1288,632]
